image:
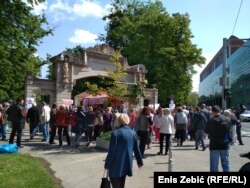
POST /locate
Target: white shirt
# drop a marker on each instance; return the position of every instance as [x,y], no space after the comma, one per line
[166,122]
[45,116]
[157,119]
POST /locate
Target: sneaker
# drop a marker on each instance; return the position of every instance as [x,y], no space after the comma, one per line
[21,146]
[159,153]
[44,140]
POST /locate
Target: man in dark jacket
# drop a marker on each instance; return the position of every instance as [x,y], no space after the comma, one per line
[218,128]
[33,119]
[199,122]
[238,125]
[16,116]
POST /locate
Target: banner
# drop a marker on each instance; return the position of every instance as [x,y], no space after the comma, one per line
[29,102]
[68,102]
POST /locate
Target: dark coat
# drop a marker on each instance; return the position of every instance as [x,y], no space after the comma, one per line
[119,161]
[14,113]
[217,127]
[199,121]
[33,115]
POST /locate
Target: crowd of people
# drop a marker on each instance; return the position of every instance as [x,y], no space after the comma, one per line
[222,128]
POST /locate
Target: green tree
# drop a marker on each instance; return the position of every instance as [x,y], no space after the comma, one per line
[193,99]
[113,85]
[145,33]
[20,34]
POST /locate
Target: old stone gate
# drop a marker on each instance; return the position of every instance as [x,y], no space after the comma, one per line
[91,63]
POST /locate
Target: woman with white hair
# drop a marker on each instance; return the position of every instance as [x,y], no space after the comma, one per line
[166,122]
[123,144]
[233,120]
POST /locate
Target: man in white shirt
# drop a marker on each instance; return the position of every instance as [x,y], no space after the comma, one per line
[44,120]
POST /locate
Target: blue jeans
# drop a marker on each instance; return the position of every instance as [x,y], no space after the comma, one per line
[3,130]
[214,160]
[45,130]
[199,137]
[78,137]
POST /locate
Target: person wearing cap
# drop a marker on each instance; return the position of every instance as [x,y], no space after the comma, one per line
[218,129]
[33,119]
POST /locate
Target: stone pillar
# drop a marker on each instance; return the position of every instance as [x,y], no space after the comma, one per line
[65,72]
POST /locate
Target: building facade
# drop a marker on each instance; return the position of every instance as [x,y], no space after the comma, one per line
[239,76]
[218,77]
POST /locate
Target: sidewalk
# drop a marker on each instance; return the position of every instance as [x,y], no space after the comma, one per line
[83,167]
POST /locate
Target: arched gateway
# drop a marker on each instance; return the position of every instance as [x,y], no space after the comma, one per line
[91,63]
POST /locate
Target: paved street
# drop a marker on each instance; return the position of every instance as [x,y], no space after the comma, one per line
[83,167]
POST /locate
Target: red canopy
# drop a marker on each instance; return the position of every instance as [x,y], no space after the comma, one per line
[89,99]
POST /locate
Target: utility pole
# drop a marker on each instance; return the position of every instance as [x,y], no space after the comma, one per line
[170,158]
[224,75]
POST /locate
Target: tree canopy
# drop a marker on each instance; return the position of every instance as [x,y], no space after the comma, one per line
[20,34]
[146,34]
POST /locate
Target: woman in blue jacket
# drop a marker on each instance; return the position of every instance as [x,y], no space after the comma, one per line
[119,160]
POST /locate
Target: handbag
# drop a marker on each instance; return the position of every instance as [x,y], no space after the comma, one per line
[105,180]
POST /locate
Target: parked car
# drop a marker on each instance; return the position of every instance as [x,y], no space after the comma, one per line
[245,116]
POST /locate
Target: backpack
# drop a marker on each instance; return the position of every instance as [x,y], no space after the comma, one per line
[227,136]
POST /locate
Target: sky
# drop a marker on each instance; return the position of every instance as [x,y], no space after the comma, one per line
[79,22]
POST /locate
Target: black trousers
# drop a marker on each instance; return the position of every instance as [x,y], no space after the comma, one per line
[238,132]
[17,129]
[33,125]
[118,182]
[52,133]
[65,131]
[143,136]
[97,131]
[167,138]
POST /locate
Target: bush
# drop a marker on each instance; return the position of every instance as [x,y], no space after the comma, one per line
[106,136]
